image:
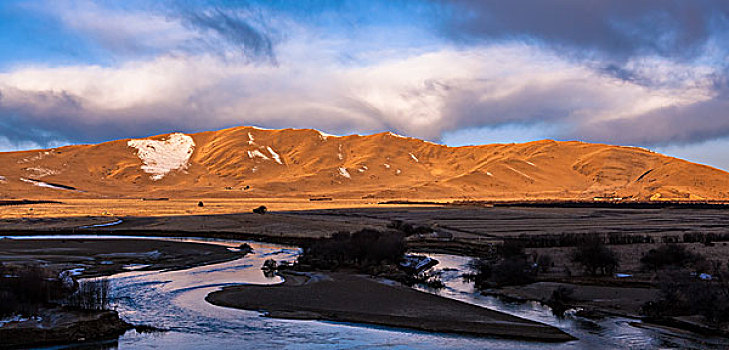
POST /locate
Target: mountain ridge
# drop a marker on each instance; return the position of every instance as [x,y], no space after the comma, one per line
[254,162]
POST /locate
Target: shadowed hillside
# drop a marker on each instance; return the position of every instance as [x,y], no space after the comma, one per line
[252,162]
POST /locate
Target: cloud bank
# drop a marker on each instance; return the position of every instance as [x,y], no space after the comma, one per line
[647,73]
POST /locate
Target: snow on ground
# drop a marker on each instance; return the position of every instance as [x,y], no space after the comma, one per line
[414,158]
[344,172]
[250,138]
[11,319]
[520,173]
[389,133]
[161,157]
[398,172]
[339,153]
[42,172]
[274,155]
[255,168]
[256,153]
[113,223]
[39,156]
[132,267]
[530,163]
[46,185]
[324,136]
[387,166]
[489,173]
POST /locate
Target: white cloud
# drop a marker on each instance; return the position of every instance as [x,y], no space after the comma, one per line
[423,94]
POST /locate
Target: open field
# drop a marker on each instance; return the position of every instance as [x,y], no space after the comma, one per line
[299,219]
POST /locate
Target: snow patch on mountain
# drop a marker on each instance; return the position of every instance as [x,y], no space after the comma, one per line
[42,172]
[37,157]
[256,153]
[47,185]
[274,155]
[161,157]
[414,158]
[344,172]
[389,133]
[250,138]
[520,173]
[324,136]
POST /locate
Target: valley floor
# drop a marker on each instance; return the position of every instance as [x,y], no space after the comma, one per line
[464,230]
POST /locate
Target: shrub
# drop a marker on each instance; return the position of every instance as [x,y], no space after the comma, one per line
[23,289]
[91,295]
[513,271]
[511,248]
[260,210]
[683,294]
[409,229]
[358,249]
[595,257]
[560,300]
[269,265]
[505,272]
[544,262]
[669,255]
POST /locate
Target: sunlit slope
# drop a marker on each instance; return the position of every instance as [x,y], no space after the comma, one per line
[251,162]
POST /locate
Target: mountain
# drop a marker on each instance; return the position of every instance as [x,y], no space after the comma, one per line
[253,162]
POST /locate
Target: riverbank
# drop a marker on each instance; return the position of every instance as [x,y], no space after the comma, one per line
[90,257]
[597,301]
[61,326]
[591,299]
[343,297]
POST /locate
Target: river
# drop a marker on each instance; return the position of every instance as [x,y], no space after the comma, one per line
[174,300]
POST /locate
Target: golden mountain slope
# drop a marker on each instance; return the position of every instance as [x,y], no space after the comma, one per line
[252,162]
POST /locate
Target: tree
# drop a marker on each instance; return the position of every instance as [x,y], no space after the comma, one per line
[669,255]
[595,257]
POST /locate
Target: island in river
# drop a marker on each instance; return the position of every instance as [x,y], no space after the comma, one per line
[345,297]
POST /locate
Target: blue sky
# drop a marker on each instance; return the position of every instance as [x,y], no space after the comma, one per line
[650,73]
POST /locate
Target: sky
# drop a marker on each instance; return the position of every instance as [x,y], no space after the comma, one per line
[650,73]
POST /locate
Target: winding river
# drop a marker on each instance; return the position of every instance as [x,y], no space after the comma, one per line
[174,300]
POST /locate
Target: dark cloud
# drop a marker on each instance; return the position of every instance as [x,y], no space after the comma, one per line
[236,27]
[680,124]
[697,122]
[617,28]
